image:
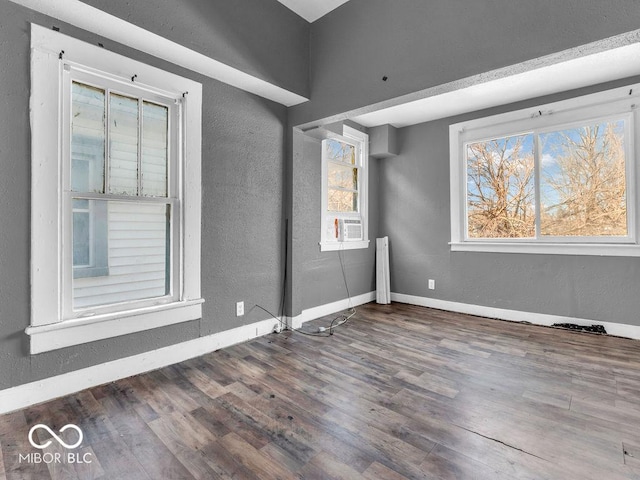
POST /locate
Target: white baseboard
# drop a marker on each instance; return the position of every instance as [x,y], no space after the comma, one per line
[40,391]
[618,329]
[329,308]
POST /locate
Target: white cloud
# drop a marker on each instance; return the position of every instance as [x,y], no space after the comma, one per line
[547,160]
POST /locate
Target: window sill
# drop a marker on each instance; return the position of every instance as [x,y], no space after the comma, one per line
[334,246]
[53,336]
[605,250]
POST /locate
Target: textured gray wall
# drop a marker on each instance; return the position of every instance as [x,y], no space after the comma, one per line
[419,44]
[242,186]
[414,190]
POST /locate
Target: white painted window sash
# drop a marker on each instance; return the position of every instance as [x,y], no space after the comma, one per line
[111,85]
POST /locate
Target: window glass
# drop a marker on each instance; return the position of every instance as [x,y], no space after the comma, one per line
[120,247]
[576,176]
[81,233]
[583,181]
[338,151]
[123,145]
[87,138]
[341,201]
[138,251]
[343,176]
[154,150]
[501,188]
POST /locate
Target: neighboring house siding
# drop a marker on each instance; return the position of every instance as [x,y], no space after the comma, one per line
[136,258]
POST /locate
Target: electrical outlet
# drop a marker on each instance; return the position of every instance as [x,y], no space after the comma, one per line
[239,309]
[432,284]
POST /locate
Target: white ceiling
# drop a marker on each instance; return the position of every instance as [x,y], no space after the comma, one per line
[311,10]
[504,88]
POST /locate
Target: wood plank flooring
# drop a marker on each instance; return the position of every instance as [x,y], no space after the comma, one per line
[399,392]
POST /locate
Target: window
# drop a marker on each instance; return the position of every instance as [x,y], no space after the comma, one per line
[557,179]
[344,191]
[115,194]
[122,200]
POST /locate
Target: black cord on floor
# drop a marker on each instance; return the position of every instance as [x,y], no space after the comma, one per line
[333,325]
[311,334]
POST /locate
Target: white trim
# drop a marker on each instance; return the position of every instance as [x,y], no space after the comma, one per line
[40,391]
[45,338]
[602,250]
[618,329]
[329,308]
[334,246]
[46,224]
[109,26]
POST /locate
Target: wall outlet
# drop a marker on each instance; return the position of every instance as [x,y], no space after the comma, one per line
[239,309]
[432,284]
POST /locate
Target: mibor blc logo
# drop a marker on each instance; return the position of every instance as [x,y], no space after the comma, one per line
[55,457]
[60,441]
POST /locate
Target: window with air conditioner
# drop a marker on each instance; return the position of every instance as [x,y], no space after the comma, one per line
[344,191]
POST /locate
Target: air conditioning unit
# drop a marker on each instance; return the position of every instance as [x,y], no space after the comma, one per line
[351,230]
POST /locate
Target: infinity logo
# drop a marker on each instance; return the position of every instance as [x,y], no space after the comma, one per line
[60,441]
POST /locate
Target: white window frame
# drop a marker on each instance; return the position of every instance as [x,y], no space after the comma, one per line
[360,140]
[617,103]
[53,324]
[77,73]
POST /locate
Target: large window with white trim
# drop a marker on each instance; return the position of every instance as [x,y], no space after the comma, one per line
[344,190]
[115,194]
[121,203]
[558,178]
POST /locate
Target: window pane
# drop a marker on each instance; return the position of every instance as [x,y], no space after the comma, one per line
[154,150]
[343,176]
[340,152]
[583,181]
[123,145]
[87,138]
[341,201]
[135,241]
[501,188]
[81,235]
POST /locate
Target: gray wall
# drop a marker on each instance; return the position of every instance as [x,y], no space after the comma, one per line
[414,212]
[419,44]
[242,186]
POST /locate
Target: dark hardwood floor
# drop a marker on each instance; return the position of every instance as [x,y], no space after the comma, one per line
[398,392]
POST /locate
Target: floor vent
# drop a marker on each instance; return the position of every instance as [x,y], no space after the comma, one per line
[582,328]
